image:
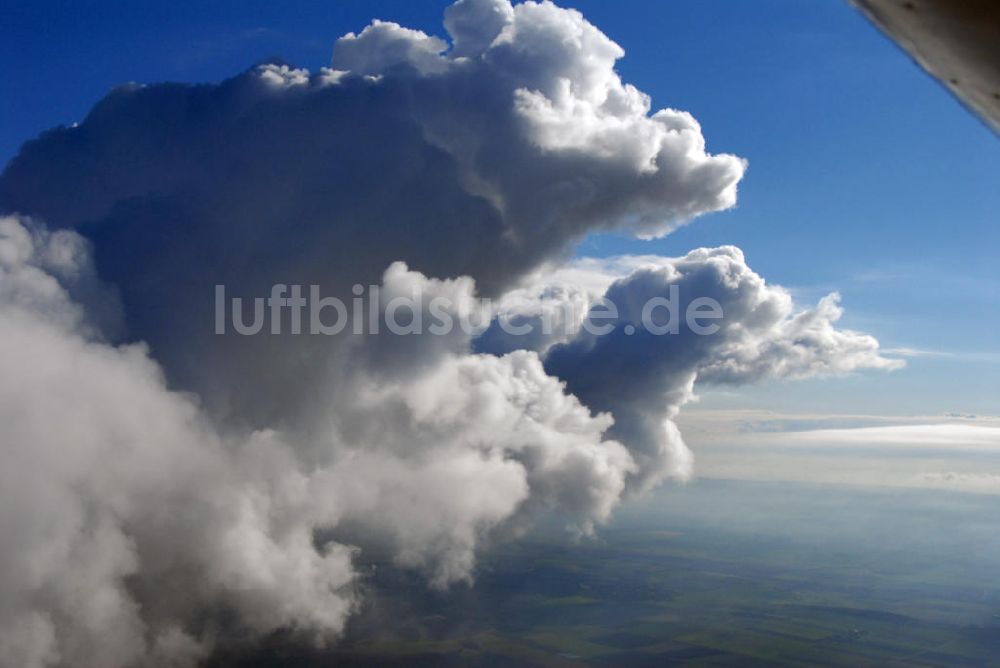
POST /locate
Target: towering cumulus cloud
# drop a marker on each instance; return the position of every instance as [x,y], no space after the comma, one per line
[167,488]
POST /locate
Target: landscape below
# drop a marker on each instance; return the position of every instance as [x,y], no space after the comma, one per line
[712,573]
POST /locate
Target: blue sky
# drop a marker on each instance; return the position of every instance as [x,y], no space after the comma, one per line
[865,175]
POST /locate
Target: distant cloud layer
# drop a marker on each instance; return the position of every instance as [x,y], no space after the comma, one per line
[969,482]
[166,489]
[971,437]
[902,451]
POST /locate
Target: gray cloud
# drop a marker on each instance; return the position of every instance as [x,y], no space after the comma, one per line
[166,488]
[148,522]
[109,477]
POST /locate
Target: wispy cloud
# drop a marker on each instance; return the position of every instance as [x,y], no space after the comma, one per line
[919,436]
[905,351]
[966,482]
[957,452]
[985,357]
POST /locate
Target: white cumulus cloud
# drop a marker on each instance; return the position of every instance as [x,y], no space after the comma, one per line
[166,488]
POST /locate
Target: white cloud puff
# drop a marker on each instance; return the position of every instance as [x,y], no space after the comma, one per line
[108,477]
[134,522]
[643,378]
